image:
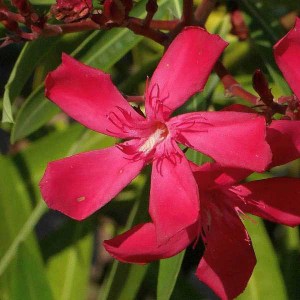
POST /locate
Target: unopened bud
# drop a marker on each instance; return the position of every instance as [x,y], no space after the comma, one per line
[261,86]
[117,10]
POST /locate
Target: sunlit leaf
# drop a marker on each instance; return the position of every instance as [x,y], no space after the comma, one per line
[168,272]
[28,59]
[68,270]
[118,283]
[266,281]
[25,278]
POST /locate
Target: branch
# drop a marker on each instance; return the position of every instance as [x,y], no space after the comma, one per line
[187,13]
[203,11]
[232,86]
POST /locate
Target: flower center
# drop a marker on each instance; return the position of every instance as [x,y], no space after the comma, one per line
[160,133]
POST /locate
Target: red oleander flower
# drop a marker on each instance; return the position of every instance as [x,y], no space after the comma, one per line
[229,259]
[81,184]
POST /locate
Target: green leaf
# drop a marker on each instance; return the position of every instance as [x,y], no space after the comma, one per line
[42,2]
[28,59]
[25,278]
[37,110]
[266,281]
[265,32]
[118,284]
[177,8]
[34,113]
[290,263]
[167,276]
[28,281]
[68,271]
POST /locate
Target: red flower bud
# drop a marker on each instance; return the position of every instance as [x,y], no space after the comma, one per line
[117,10]
[261,86]
[239,27]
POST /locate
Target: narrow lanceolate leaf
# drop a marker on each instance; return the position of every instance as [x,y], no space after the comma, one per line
[36,108]
[168,272]
[25,278]
[68,270]
[176,8]
[290,263]
[33,114]
[124,280]
[266,281]
[28,59]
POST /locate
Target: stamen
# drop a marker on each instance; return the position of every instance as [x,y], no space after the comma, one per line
[124,122]
[157,103]
[154,139]
[244,216]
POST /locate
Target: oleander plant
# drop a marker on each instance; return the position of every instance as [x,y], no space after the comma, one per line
[150,149]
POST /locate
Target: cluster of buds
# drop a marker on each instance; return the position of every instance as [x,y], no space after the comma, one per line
[70,11]
[26,15]
[76,15]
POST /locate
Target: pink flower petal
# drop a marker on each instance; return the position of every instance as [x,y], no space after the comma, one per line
[174,200]
[213,175]
[275,199]
[286,53]
[284,139]
[89,96]
[81,184]
[233,139]
[184,69]
[282,136]
[229,259]
[139,244]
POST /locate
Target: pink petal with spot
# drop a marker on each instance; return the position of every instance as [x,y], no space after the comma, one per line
[89,96]
[81,184]
[184,69]
[139,244]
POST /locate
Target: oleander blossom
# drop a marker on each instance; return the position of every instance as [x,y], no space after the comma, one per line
[228,259]
[81,184]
